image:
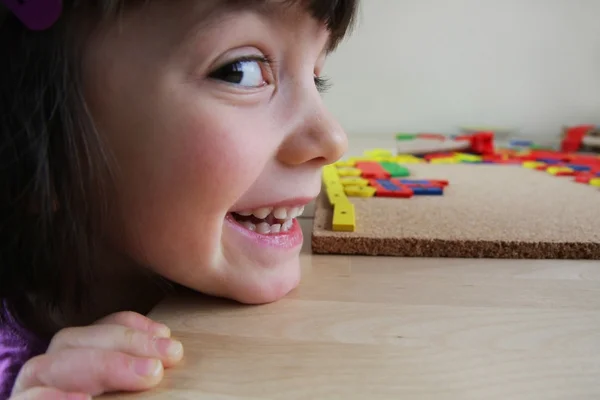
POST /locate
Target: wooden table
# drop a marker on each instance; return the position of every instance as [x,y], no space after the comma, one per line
[393,328]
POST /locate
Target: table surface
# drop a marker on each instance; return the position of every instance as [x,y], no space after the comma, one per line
[396,328]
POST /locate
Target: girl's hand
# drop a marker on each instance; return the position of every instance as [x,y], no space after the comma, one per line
[122,352]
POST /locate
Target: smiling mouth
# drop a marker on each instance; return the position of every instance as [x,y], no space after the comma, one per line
[268,220]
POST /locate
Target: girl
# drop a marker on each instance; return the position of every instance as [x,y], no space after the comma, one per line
[143,145]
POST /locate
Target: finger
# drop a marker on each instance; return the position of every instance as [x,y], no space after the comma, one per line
[43,393]
[90,371]
[118,338]
[136,321]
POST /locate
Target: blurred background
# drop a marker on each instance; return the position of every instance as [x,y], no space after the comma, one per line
[436,65]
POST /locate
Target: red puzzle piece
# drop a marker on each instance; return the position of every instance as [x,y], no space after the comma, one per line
[372,170]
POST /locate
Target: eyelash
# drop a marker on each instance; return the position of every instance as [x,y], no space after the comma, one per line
[322,83]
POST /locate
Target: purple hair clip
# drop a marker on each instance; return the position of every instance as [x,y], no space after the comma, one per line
[37,15]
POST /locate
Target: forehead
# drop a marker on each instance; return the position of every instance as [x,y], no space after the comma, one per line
[337,16]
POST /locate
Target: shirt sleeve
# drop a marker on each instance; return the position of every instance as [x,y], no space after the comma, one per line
[17,345]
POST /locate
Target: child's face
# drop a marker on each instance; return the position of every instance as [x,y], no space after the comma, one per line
[198,134]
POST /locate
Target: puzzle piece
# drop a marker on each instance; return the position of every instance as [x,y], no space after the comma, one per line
[330,171]
[395,170]
[533,164]
[349,171]
[360,191]
[346,163]
[343,210]
[430,182]
[335,193]
[376,153]
[408,159]
[354,181]
[423,187]
[584,178]
[344,219]
[405,136]
[444,160]
[579,168]
[333,185]
[521,143]
[372,170]
[469,158]
[386,188]
[427,190]
[560,171]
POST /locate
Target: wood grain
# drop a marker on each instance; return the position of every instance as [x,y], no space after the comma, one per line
[396,328]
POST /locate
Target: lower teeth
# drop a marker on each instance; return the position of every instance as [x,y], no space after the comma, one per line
[264,228]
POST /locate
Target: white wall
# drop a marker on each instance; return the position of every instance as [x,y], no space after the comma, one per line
[434,65]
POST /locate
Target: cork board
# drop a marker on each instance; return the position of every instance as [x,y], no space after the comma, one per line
[487,211]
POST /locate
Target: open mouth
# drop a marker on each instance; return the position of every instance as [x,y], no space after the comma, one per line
[268,220]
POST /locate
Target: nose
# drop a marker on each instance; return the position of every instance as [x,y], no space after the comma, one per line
[318,139]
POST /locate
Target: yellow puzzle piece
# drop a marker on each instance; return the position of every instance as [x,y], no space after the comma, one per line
[533,164]
[343,217]
[360,191]
[408,159]
[343,210]
[330,172]
[354,181]
[444,160]
[345,163]
[558,170]
[335,193]
[348,171]
[467,157]
[377,153]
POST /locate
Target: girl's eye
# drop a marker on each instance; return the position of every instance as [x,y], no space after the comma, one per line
[246,72]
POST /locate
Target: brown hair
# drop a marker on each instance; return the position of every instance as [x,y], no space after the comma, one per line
[55,171]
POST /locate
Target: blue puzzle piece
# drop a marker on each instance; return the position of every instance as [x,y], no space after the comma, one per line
[550,161]
[579,168]
[427,191]
[521,143]
[387,185]
[414,181]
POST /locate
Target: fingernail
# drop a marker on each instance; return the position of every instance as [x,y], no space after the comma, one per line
[147,367]
[162,330]
[169,347]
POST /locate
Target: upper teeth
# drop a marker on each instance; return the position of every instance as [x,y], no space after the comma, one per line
[278,212]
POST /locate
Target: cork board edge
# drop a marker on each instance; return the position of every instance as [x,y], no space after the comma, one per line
[326,241]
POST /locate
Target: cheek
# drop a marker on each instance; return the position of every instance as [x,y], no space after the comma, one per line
[222,159]
[195,169]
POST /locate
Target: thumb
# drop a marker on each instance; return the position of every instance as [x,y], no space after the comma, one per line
[90,371]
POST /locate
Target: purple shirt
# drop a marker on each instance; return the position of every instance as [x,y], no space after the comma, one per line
[17,345]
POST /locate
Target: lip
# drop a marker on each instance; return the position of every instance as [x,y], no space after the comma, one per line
[297,202]
[291,239]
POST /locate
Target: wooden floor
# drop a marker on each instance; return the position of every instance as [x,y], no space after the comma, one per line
[393,328]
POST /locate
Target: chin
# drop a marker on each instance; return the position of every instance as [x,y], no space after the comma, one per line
[270,287]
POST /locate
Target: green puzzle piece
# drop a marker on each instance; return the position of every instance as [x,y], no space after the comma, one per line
[405,136]
[396,170]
